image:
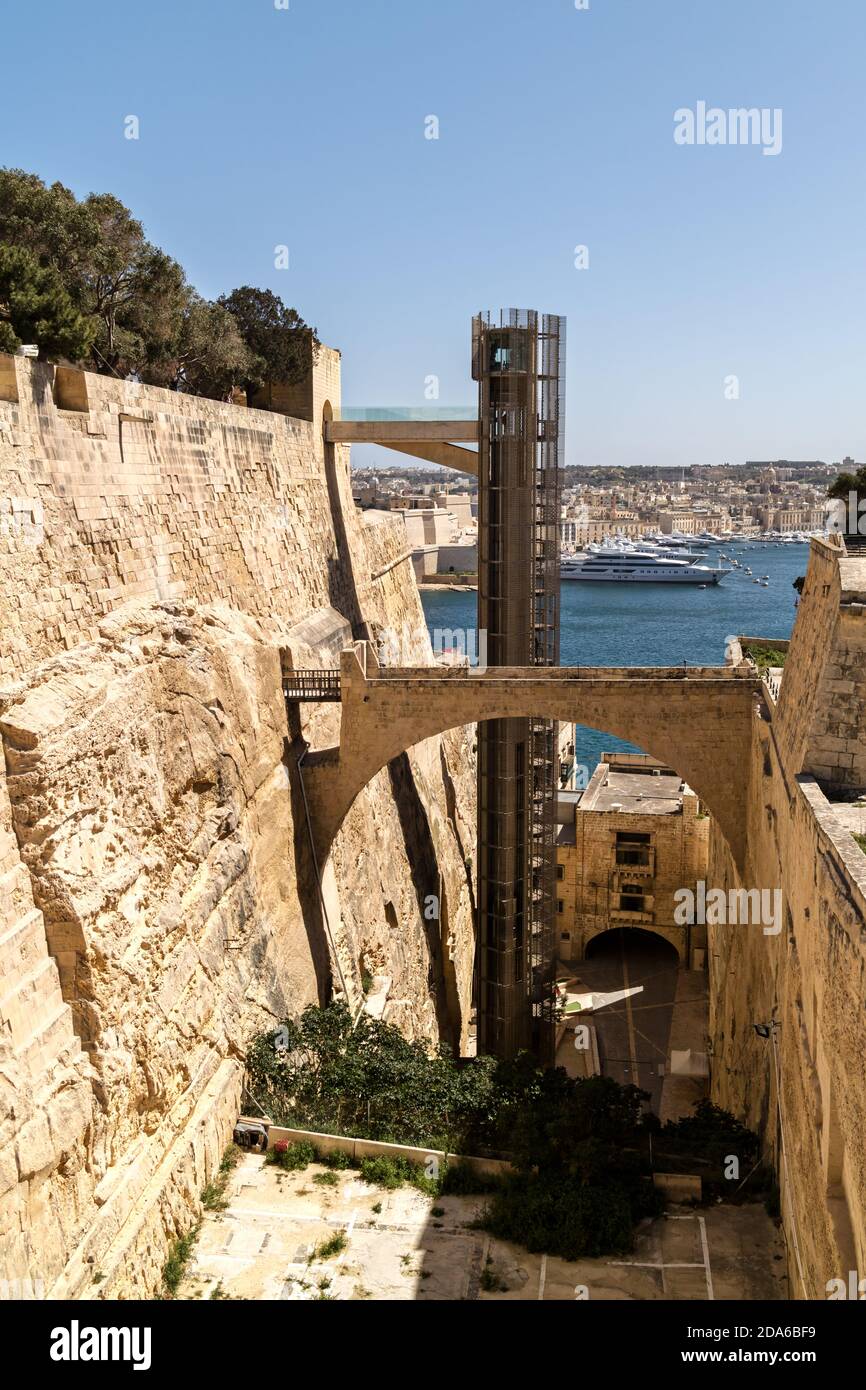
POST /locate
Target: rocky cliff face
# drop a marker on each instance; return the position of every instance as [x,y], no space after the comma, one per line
[158,899]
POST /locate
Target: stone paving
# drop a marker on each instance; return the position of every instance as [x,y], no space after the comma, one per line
[405,1246]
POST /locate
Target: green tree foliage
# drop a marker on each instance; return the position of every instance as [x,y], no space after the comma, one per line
[568,1219]
[135,293]
[710,1135]
[321,1073]
[137,315]
[50,222]
[205,355]
[276,336]
[35,308]
[847,483]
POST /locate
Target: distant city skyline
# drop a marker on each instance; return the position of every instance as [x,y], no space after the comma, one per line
[419,163]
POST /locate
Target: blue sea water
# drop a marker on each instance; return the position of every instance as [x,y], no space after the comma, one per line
[655,624]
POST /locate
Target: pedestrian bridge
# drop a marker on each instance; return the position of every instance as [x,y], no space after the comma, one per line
[697,720]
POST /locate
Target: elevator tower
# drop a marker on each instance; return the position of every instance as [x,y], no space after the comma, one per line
[518,362]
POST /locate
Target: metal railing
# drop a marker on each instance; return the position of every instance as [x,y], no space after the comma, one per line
[312,685]
[773,681]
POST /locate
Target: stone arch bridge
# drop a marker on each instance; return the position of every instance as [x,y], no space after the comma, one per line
[696,720]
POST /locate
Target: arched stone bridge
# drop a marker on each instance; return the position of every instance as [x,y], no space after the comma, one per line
[697,720]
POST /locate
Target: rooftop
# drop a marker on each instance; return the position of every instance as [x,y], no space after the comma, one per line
[635,783]
[632,791]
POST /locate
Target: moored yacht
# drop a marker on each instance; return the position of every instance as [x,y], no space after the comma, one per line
[608,565]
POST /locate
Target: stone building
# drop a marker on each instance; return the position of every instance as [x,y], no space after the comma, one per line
[626,844]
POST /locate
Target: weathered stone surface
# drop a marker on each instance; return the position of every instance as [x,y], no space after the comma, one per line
[806,1092]
[158,898]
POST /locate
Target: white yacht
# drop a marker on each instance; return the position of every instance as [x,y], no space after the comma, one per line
[608,565]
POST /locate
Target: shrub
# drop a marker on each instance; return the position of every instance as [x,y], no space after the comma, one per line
[566,1219]
[292,1157]
[330,1247]
[386,1172]
[391,1173]
[339,1160]
[179,1256]
[326,1179]
[461,1179]
[765,655]
[213,1196]
[708,1137]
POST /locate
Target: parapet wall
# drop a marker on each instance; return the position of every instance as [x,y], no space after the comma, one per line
[148,493]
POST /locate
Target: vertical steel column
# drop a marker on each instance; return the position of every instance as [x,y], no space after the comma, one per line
[519,368]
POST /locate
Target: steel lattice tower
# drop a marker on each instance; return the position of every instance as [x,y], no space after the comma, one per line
[519,364]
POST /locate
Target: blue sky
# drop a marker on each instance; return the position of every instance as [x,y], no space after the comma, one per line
[306,127]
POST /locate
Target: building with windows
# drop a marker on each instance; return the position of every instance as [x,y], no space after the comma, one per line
[625,845]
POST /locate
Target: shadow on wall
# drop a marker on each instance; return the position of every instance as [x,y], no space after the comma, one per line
[421,854]
[342,588]
[306,877]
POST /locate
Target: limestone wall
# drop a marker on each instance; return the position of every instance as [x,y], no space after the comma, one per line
[158,898]
[807,1095]
[592,881]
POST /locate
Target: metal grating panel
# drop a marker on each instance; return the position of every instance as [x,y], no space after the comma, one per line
[519,365]
[312,685]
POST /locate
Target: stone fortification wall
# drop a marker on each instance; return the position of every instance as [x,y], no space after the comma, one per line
[806,1094]
[158,899]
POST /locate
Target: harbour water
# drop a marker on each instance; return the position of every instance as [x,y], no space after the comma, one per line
[609,624]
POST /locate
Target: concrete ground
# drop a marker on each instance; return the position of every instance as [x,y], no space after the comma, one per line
[636,1036]
[416,1247]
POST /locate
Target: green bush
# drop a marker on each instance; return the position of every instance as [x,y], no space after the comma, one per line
[461,1179]
[363,1078]
[339,1160]
[567,1219]
[386,1172]
[213,1195]
[330,1247]
[179,1256]
[764,655]
[294,1157]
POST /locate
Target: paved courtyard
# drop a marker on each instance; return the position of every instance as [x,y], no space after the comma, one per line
[404,1245]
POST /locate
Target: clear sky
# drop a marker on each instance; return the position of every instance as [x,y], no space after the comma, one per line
[305,126]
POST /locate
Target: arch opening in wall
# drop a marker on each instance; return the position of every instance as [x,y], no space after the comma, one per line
[616,938]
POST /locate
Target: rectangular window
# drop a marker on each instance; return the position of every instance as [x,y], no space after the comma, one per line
[559,905]
[633,847]
[631,902]
[560,871]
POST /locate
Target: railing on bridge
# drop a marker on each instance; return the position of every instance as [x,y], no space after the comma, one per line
[312,685]
[773,681]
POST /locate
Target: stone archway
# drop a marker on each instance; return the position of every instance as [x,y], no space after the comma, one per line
[698,721]
[673,937]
